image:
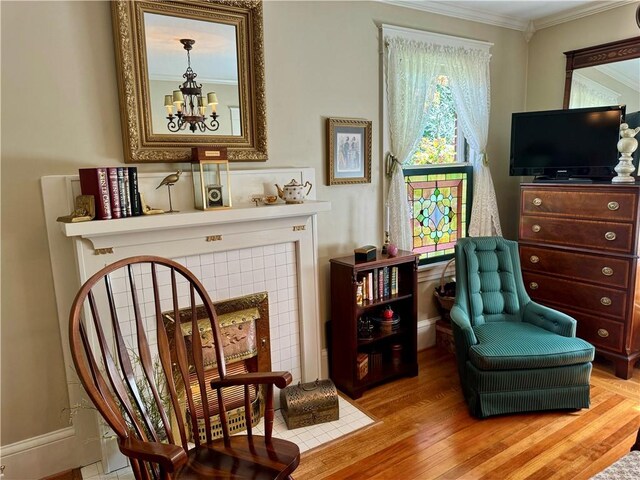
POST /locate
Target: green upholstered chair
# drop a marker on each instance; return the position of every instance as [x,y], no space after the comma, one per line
[513,354]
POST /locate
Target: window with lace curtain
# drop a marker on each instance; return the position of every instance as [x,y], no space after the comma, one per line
[436,121]
[438,180]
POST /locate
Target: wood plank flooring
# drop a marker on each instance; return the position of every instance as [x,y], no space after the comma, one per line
[424,431]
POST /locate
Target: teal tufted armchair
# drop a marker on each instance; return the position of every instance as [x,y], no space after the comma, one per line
[513,354]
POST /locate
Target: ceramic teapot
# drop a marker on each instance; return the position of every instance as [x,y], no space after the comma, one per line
[293,192]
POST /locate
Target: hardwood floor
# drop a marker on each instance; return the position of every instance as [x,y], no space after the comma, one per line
[424,431]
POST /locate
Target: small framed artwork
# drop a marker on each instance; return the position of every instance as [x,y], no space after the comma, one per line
[348,151]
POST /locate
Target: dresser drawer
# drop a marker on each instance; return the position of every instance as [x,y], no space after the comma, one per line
[577,203]
[613,237]
[601,332]
[609,271]
[576,295]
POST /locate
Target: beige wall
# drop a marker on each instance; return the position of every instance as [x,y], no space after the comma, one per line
[547,64]
[59,85]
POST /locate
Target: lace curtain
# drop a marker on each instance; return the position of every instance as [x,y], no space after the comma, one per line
[468,72]
[410,74]
[411,71]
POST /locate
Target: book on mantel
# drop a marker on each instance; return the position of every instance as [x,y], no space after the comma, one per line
[115,190]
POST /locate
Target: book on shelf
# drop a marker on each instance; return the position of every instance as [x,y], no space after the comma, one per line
[123,197]
[387,287]
[370,286]
[114,192]
[95,181]
[127,192]
[136,208]
[362,361]
[376,285]
[394,280]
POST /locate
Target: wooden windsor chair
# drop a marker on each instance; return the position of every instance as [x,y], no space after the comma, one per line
[133,372]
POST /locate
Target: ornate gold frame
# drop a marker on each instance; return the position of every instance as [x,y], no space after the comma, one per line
[141,145]
[360,127]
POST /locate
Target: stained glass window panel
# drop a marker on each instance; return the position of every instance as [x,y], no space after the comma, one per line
[439,202]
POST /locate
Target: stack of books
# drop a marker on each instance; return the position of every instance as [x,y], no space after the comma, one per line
[379,283]
[115,190]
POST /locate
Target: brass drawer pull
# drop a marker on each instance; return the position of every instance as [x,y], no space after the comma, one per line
[613,205]
[533,286]
[534,259]
[603,333]
[610,236]
[607,271]
[537,201]
[536,228]
[606,301]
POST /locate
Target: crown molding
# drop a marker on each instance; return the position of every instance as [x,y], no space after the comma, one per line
[450,9]
[579,12]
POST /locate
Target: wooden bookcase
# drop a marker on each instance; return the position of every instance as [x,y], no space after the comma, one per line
[388,353]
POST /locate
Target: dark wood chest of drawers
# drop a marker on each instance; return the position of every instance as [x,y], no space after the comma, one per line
[579,254]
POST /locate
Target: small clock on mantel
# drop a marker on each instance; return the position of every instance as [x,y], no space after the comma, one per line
[210,170]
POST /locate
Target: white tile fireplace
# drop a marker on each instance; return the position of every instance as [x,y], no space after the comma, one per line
[238,251]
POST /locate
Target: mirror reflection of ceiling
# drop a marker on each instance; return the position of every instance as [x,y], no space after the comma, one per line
[214,57]
[608,84]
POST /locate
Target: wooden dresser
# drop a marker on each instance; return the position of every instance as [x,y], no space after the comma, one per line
[579,253]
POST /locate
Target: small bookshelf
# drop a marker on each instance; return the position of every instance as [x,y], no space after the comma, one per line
[364,350]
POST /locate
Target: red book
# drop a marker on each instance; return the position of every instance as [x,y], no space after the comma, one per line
[114,192]
[95,181]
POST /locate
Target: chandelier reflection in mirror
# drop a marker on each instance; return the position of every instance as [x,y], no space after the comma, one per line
[189,103]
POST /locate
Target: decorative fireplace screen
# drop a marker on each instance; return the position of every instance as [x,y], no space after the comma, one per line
[244,328]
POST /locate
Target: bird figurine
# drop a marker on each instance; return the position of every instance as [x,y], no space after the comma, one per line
[170,181]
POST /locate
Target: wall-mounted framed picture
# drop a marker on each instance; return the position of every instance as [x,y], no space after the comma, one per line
[348,151]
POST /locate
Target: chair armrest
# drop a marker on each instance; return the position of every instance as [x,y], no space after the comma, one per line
[462,328]
[549,319]
[279,379]
[167,455]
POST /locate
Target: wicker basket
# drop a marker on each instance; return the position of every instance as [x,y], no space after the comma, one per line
[445,302]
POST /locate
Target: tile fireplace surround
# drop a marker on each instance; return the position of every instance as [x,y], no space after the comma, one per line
[234,252]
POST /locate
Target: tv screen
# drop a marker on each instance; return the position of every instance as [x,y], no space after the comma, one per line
[574,143]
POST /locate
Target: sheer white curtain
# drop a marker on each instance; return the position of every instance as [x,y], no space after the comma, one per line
[468,72]
[410,75]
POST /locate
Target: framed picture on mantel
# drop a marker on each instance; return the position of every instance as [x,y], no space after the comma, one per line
[348,151]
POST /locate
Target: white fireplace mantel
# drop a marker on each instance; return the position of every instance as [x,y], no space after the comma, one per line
[78,250]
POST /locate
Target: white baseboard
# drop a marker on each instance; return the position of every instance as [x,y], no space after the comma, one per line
[427,332]
[40,456]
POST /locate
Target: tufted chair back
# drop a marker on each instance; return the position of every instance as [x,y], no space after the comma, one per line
[489,281]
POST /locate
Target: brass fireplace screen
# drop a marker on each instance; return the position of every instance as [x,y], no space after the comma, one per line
[244,328]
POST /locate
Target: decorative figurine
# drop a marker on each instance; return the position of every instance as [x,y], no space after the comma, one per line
[392,250]
[146,209]
[365,328]
[626,146]
[84,210]
[170,181]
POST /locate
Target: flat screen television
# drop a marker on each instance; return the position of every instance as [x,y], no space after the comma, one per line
[578,143]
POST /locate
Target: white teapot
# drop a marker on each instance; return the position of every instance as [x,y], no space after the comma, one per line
[293,192]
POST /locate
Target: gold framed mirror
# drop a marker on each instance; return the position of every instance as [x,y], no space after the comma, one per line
[607,73]
[225,56]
